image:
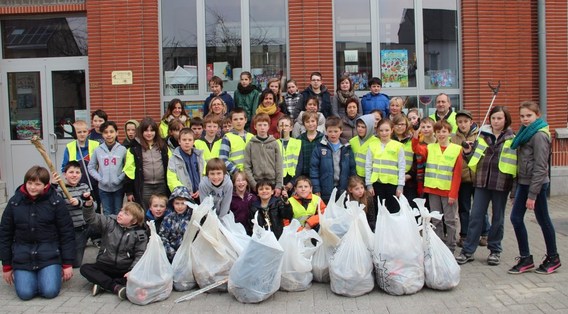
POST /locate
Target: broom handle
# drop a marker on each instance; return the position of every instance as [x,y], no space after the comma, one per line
[37,143]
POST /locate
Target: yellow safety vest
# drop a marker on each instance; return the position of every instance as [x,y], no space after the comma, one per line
[507,158]
[237,153]
[440,166]
[300,212]
[360,152]
[72,149]
[385,162]
[290,156]
[451,120]
[408,155]
[208,154]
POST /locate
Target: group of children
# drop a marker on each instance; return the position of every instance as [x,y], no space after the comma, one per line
[272,179]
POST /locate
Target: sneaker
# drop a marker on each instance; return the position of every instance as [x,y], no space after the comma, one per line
[461,241]
[549,265]
[524,264]
[120,292]
[97,290]
[464,258]
[494,259]
[483,241]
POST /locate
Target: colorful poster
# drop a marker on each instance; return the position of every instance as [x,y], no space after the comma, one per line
[394,68]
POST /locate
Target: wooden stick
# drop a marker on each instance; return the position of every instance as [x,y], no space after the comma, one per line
[200,291]
[37,143]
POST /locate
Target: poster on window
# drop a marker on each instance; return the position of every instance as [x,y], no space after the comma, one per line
[394,68]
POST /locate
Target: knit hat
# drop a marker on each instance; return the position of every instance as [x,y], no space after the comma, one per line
[132,121]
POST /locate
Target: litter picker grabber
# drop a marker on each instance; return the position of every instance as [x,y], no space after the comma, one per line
[41,149]
[495,90]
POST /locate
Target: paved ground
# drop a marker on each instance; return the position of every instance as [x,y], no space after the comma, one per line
[483,289]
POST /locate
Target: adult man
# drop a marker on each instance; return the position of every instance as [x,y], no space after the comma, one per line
[316,88]
[444,111]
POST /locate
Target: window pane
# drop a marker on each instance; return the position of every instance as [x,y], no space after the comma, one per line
[41,38]
[69,94]
[223,37]
[179,47]
[267,40]
[398,43]
[440,44]
[353,41]
[24,96]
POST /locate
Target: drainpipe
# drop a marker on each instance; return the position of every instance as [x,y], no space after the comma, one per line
[542,83]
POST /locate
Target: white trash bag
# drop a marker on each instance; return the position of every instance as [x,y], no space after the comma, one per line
[151,279]
[330,241]
[398,253]
[256,274]
[441,271]
[351,267]
[234,232]
[298,252]
[181,265]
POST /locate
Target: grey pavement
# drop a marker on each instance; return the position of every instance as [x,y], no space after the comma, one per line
[483,289]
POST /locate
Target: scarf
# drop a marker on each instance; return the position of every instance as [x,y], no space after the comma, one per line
[343,96]
[245,90]
[268,110]
[527,132]
[181,118]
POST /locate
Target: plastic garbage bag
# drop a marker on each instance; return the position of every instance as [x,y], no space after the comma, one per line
[256,274]
[441,271]
[151,279]
[330,240]
[181,265]
[234,232]
[398,253]
[298,252]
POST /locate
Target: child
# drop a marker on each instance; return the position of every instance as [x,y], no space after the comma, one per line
[97,119]
[197,126]
[385,167]
[495,166]
[272,210]
[246,97]
[305,204]
[311,106]
[293,100]
[175,223]
[309,139]
[174,126]
[291,149]
[216,88]
[210,142]
[174,111]
[360,143]
[269,107]
[226,126]
[414,116]
[533,151]
[345,92]
[274,86]
[186,165]
[36,252]
[442,180]
[217,183]
[395,107]
[318,90]
[357,192]
[242,200]
[233,143]
[378,114]
[375,99]
[158,209]
[106,168]
[123,244]
[130,131]
[403,134]
[426,136]
[332,161]
[263,159]
[80,194]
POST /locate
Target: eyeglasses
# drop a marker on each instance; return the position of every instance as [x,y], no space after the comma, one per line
[401,124]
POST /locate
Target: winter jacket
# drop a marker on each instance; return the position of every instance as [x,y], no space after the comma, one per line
[36,233]
[468,174]
[178,174]
[226,98]
[275,213]
[76,212]
[324,99]
[487,173]
[338,106]
[106,167]
[157,221]
[263,160]
[273,128]
[380,101]
[293,103]
[222,194]
[299,127]
[533,163]
[174,224]
[247,98]
[121,247]
[240,206]
[349,127]
[322,168]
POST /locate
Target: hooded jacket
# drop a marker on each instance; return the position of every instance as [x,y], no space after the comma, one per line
[356,141]
[299,127]
[127,142]
[263,160]
[274,213]
[174,224]
[222,194]
[324,99]
[106,166]
[178,174]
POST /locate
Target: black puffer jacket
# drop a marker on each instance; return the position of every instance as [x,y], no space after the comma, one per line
[36,233]
[276,212]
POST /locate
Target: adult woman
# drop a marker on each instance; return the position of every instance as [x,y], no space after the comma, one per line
[174,111]
[344,92]
[268,106]
[349,118]
[217,109]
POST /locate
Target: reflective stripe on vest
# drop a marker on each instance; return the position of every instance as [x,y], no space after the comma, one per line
[72,149]
[385,162]
[237,153]
[360,152]
[300,212]
[408,155]
[290,156]
[440,166]
[507,158]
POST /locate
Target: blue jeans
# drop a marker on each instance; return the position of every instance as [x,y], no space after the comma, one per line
[465,194]
[111,201]
[45,282]
[542,217]
[481,201]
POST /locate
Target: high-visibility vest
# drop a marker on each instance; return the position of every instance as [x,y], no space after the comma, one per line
[208,154]
[360,152]
[408,155]
[237,153]
[302,213]
[440,166]
[72,149]
[385,162]
[290,156]
[507,158]
[451,120]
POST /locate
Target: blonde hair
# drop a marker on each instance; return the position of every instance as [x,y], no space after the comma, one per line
[136,211]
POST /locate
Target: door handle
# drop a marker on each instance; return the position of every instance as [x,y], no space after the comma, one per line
[53,143]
